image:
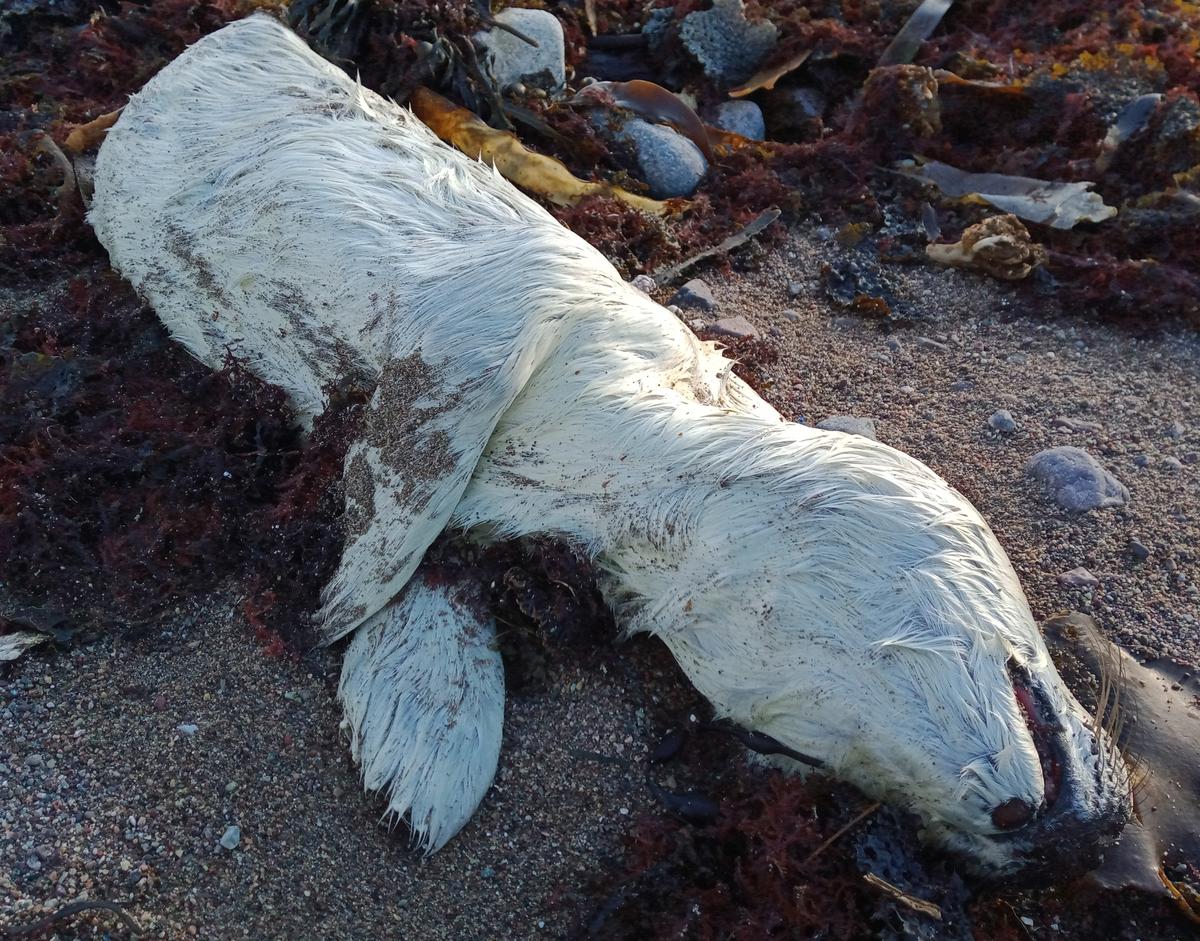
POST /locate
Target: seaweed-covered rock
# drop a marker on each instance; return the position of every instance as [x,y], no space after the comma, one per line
[512,60]
[725,43]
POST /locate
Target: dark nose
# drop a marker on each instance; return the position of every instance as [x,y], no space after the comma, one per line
[1012,814]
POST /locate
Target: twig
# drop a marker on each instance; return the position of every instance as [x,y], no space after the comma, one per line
[666,275]
[916,904]
[74,908]
[842,831]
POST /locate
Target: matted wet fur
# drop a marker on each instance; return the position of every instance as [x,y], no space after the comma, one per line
[823,589]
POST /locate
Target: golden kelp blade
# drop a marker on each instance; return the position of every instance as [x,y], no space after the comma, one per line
[531,171]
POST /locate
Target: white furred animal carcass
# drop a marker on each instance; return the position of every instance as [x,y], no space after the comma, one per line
[820,588]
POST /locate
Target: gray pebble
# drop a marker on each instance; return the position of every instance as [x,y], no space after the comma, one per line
[1078,578]
[187,728]
[1076,424]
[795,288]
[1191,457]
[735,327]
[1141,460]
[34,761]
[1174,430]
[669,163]
[695,294]
[231,838]
[1172,464]
[791,315]
[513,61]
[1138,550]
[644,283]
[930,344]
[893,344]
[1076,480]
[742,117]
[724,42]
[850,424]
[962,385]
[1002,421]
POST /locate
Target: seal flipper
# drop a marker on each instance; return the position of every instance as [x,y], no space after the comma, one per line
[423,691]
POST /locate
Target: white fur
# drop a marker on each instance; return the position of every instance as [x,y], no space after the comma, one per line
[823,588]
[423,689]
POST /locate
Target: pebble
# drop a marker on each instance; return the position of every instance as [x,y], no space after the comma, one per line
[513,61]
[231,838]
[695,294]
[1172,464]
[930,344]
[1078,578]
[1076,424]
[738,327]
[795,288]
[894,345]
[850,424]
[1076,480]
[1141,460]
[644,283]
[669,164]
[1002,421]
[1138,550]
[188,728]
[1191,457]
[962,385]
[791,315]
[34,761]
[742,117]
[1174,430]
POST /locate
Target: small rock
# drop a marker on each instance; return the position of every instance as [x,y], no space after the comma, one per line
[1174,430]
[1172,464]
[488,872]
[850,424]
[1191,457]
[1138,550]
[1002,421]
[644,283]
[1141,460]
[795,288]
[735,327]
[742,117]
[1076,480]
[1076,424]
[791,315]
[34,761]
[1078,578]
[668,163]
[187,728]
[930,344]
[894,345]
[695,294]
[513,61]
[962,385]
[1018,359]
[231,838]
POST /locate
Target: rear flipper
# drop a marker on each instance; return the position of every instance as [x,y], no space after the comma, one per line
[423,689]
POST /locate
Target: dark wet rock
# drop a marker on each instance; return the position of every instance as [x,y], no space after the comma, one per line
[741,117]
[1076,480]
[1139,550]
[1002,421]
[735,327]
[1078,578]
[727,45]
[514,61]
[695,294]
[850,424]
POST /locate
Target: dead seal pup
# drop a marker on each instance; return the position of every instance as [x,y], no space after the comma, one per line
[822,589]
